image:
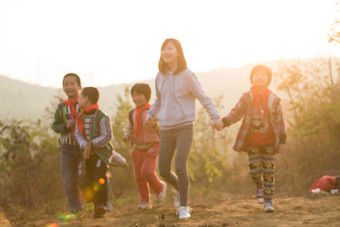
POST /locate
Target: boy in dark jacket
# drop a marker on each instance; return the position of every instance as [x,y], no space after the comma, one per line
[93,134]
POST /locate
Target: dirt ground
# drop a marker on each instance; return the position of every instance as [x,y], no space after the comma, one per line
[311,210]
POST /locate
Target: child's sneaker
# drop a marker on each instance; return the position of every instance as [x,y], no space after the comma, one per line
[99,211]
[74,215]
[268,208]
[161,196]
[184,212]
[260,195]
[118,160]
[108,206]
[177,201]
[144,205]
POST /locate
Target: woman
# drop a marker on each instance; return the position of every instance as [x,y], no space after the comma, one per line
[177,88]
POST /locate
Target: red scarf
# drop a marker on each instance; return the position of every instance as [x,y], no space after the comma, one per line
[138,126]
[258,99]
[80,119]
[73,110]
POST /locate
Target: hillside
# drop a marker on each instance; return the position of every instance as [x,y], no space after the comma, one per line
[20,100]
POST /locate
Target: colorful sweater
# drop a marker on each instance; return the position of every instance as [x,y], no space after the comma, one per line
[61,116]
[97,130]
[244,109]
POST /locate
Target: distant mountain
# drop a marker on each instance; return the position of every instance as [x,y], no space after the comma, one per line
[20,100]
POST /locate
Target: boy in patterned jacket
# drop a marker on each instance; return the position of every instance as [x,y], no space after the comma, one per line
[262,133]
[64,121]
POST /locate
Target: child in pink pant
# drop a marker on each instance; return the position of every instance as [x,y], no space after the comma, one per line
[145,142]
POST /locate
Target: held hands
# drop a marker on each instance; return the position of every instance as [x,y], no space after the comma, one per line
[151,122]
[87,150]
[70,123]
[218,125]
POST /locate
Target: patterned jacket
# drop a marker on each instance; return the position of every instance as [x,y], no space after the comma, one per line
[61,116]
[244,109]
[98,130]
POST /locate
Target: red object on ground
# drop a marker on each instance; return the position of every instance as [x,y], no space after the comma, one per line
[325,183]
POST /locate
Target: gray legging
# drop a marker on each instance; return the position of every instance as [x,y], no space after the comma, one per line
[180,138]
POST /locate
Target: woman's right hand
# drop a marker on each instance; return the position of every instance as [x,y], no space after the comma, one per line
[149,121]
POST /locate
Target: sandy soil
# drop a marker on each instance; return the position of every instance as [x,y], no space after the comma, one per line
[312,210]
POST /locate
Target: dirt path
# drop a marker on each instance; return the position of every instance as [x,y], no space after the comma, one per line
[299,211]
[4,222]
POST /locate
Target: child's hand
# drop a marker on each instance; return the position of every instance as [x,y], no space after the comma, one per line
[87,151]
[281,148]
[70,123]
[217,125]
[126,139]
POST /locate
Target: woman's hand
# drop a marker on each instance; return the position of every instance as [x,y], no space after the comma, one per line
[218,125]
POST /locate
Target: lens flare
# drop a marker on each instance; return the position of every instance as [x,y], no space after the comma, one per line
[62,217]
[101,181]
[52,225]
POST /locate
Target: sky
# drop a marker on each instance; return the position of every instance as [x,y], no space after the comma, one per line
[118,41]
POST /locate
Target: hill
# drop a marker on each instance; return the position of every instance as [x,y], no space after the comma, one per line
[20,100]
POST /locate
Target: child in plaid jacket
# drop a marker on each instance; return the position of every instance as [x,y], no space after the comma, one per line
[262,133]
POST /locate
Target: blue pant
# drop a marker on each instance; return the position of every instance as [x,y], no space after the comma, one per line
[70,158]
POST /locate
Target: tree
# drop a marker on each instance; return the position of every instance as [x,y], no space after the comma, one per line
[122,180]
[313,121]
[334,34]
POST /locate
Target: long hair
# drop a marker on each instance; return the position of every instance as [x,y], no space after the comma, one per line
[181,62]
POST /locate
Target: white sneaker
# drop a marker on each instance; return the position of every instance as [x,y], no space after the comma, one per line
[144,205]
[118,160]
[177,200]
[268,208]
[161,196]
[108,206]
[184,212]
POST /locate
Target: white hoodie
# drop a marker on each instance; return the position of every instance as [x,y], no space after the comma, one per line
[175,100]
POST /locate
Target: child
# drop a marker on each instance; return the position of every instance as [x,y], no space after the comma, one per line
[262,133]
[64,121]
[177,88]
[145,140]
[93,133]
[326,183]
